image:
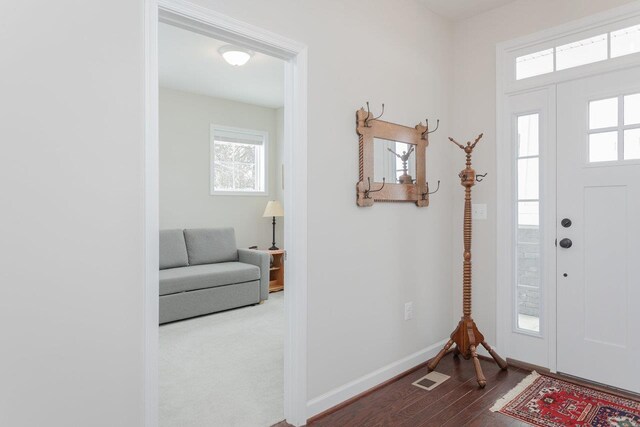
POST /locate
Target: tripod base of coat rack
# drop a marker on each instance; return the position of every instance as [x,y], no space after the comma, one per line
[467,337]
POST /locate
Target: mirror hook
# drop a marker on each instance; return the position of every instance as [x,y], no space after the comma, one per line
[427,131]
[369,118]
[369,190]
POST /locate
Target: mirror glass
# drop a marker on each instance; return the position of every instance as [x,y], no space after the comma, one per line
[394,161]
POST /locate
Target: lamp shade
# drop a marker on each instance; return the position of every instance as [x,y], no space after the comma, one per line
[273,209]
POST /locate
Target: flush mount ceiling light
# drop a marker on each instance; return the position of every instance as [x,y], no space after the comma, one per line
[235,55]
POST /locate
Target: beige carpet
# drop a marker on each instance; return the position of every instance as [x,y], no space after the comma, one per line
[225,369]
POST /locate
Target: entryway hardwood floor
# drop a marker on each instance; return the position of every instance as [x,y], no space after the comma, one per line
[456,402]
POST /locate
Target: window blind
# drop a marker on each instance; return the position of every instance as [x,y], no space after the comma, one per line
[237,137]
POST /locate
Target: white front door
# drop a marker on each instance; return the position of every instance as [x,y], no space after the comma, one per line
[598,228]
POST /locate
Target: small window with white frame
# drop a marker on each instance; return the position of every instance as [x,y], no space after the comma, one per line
[614,129]
[238,161]
[601,47]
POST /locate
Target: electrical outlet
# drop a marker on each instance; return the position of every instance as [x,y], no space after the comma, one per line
[479,211]
[408,310]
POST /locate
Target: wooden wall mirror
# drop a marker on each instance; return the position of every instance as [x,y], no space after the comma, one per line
[392,161]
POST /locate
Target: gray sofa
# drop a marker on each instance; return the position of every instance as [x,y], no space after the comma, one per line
[202,272]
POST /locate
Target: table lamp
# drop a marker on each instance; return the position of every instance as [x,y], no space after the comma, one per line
[273,209]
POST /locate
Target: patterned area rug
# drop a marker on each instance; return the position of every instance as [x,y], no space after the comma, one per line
[550,402]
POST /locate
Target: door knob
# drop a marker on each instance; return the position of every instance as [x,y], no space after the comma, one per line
[566,223]
[566,243]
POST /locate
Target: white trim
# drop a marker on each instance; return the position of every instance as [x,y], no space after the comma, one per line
[571,28]
[510,337]
[265,194]
[503,205]
[295,239]
[506,86]
[360,385]
[604,21]
[263,166]
[151,215]
[206,21]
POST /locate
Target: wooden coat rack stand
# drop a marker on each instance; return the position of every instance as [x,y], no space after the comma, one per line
[466,336]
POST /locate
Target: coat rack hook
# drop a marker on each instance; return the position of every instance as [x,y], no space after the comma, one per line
[426,193]
[433,192]
[437,126]
[369,118]
[376,118]
[369,190]
[480,177]
[427,131]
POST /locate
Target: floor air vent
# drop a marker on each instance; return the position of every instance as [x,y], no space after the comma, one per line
[431,380]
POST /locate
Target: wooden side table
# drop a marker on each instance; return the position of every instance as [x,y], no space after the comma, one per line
[276,272]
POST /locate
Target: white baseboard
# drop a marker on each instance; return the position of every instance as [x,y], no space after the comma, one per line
[353,388]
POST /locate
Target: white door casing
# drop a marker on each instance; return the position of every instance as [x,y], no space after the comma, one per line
[597,301]
[511,95]
[200,19]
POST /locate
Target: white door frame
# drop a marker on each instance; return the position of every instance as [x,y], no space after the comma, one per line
[507,86]
[209,22]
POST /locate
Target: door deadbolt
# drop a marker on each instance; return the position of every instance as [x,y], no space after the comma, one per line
[566,223]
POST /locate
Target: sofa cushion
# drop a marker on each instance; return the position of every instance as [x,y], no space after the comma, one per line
[206,276]
[173,250]
[211,245]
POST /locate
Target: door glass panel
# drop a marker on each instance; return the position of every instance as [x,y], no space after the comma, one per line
[534,64]
[603,113]
[528,259]
[603,147]
[632,144]
[528,213]
[528,178]
[632,109]
[603,47]
[581,52]
[528,135]
[528,267]
[625,41]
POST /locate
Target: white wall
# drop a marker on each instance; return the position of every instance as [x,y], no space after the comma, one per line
[71,177]
[185,200]
[71,221]
[474,111]
[365,263]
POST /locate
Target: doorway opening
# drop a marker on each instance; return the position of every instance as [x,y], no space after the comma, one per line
[221,308]
[209,23]
[568,138]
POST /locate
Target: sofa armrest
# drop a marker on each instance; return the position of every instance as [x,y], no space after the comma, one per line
[263,261]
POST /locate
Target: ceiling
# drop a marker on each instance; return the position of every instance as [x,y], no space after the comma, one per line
[462,9]
[190,62]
